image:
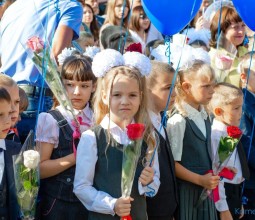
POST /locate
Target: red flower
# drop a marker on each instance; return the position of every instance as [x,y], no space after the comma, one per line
[135,131]
[234,132]
[135,47]
[35,44]
[126,218]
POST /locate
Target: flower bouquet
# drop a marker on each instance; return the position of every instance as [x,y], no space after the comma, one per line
[224,57]
[39,52]
[26,175]
[226,147]
[131,154]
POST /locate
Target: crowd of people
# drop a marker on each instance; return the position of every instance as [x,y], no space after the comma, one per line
[115,71]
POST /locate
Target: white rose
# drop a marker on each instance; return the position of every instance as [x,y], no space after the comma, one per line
[31,159]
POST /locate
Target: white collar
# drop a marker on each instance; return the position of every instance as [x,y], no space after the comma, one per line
[218,125]
[193,113]
[87,112]
[2,144]
[155,118]
[107,123]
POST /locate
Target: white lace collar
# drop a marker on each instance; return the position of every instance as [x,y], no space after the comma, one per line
[193,113]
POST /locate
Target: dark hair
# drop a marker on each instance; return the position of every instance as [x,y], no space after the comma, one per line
[94,25]
[77,67]
[135,16]
[4,95]
[228,15]
[152,45]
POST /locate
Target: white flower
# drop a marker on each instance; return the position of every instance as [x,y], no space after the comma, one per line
[105,60]
[67,52]
[31,159]
[91,51]
[139,61]
[223,62]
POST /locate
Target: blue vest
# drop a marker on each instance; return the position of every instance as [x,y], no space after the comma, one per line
[60,186]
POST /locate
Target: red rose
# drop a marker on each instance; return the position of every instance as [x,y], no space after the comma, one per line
[35,44]
[135,47]
[135,131]
[234,132]
[126,218]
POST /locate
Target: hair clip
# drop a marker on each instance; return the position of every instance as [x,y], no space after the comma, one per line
[109,58]
[67,52]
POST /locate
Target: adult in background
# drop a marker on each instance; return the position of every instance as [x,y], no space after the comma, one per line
[59,22]
[94,4]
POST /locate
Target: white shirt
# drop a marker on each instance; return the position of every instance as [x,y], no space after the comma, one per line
[47,127]
[219,129]
[94,200]
[176,126]
[156,121]
[2,145]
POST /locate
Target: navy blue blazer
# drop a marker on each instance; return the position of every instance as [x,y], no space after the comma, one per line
[247,123]
[12,148]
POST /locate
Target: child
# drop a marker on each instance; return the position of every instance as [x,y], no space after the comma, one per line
[11,86]
[159,82]
[226,105]
[189,132]
[247,125]
[121,100]
[85,40]
[54,135]
[9,208]
[14,134]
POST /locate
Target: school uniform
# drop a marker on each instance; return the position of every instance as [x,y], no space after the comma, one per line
[163,205]
[248,142]
[9,208]
[230,191]
[191,145]
[97,180]
[56,193]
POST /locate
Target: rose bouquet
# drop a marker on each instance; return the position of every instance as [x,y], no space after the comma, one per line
[226,147]
[131,154]
[26,174]
[39,52]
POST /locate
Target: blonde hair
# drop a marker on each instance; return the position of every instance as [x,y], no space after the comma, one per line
[110,13]
[6,80]
[245,62]
[199,69]
[105,84]
[224,94]
[158,68]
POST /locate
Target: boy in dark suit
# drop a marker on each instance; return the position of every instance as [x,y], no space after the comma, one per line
[247,125]
[9,209]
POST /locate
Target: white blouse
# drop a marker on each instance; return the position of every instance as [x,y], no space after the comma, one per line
[219,129]
[176,126]
[47,127]
[94,200]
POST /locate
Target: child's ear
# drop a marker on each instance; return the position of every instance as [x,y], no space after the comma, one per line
[186,86]
[218,111]
[243,77]
[104,98]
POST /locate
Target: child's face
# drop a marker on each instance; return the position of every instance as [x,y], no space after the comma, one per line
[5,118]
[15,100]
[124,100]
[235,33]
[200,91]
[160,91]
[119,10]
[79,92]
[251,81]
[231,114]
[89,42]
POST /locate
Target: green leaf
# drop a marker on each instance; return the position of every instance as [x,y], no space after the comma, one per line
[27,185]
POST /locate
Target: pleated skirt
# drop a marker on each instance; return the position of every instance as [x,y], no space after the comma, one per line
[188,198]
